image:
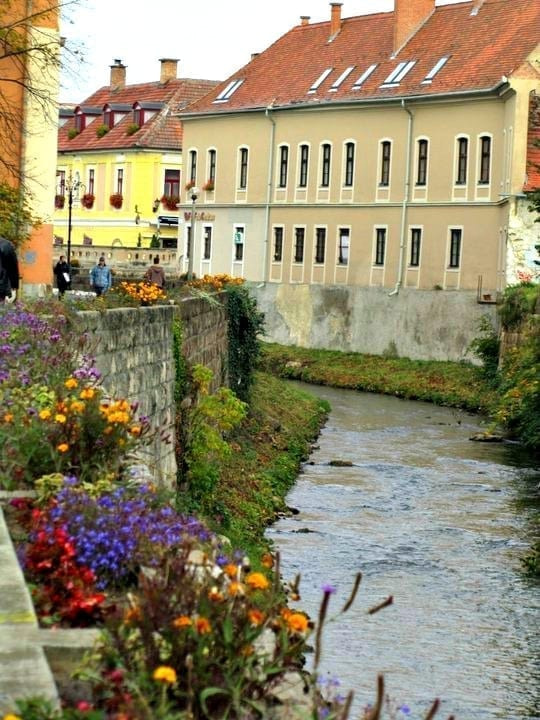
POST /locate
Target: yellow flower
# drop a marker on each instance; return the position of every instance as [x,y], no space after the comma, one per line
[63,447]
[203,626]
[256,617]
[182,621]
[297,622]
[60,418]
[165,674]
[267,560]
[236,588]
[77,406]
[257,581]
[215,595]
[87,394]
[10,716]
[71,383]
[45,414]
[135,430]
[8,417]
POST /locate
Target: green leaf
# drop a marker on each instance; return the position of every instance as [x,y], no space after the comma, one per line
[228,630]
[210,692]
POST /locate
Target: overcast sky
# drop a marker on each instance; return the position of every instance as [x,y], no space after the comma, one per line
[210,38]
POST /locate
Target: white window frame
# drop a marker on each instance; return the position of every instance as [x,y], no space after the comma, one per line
[319,81]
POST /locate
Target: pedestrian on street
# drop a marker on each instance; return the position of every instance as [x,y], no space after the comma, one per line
[155,274]
[100,277]
[9,269]
[63,278]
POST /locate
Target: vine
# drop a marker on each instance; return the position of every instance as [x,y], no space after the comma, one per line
[246,323]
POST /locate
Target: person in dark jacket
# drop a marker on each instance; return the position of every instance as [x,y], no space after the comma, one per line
[155,274]
[9,269]
[63,278]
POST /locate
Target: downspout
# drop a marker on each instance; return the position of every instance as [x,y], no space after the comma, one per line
[405,203]
[268,190]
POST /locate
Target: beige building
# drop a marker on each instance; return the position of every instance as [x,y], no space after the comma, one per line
[382,150]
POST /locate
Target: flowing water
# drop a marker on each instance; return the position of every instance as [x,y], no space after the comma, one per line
[440,523]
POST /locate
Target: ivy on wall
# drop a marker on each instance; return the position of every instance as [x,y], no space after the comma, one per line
[246,323]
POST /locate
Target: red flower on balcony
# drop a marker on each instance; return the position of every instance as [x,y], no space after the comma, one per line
[59,201]
[170,201]
[87,200]
[116,200]
[190,184]
[208,185]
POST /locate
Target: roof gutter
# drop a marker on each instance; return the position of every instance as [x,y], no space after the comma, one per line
[405,203]
[270,177]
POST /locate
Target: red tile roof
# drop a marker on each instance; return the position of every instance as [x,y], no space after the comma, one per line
[162,132]
[533,145]
[482,48]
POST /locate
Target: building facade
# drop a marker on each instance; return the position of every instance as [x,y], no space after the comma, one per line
[380,151]
[119,166]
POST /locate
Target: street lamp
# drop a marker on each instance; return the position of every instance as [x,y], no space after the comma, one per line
[73,187]
[194,193]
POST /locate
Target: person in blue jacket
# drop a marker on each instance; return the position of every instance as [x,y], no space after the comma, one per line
[100,277]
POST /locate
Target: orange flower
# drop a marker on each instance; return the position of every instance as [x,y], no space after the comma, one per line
[267,560]
[257,581]
[215,595]
[71,383]
[165,674]
[135,430]
[256,617]
[297,622]
[8,417]
[203,626]
[63,447]
[60,418]
[247,650]
[45,414]
[87,393]
[181,622]
[231,570]
[77,406]
[236,588]
[132,615]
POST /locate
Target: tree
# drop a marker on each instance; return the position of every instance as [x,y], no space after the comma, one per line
[16,217]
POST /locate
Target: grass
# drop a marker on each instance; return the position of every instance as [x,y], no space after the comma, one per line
[459,385]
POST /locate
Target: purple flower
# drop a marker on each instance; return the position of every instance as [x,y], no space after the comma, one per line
[328,589]
[405,709]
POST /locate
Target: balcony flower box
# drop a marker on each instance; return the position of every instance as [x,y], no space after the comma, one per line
[116,200]
[59,201]
[209,186]
[87,201]
[170,201]
[190,184]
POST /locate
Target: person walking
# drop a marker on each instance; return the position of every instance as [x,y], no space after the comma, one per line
[100,277]
[63,278]
[156,274]
[9,269]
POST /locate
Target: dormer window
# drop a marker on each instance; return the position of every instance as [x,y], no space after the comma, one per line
[226,93]
[344,75]
[80,121]
[398,73]
[319,81]
[144,111]
[364,76]
[108,118]
[434,70]
[138,116]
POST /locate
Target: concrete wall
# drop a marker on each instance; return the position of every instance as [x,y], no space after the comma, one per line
[134,351]
[419,324]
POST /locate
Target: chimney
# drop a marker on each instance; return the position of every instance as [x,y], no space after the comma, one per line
[169,69]
[304,19]
[476,9]
[254,55]
[335,19]
[118,76]
[408,16]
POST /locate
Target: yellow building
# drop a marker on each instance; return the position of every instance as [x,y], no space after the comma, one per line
[378,151]
[119,166]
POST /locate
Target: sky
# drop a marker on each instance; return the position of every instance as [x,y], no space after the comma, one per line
[210,38]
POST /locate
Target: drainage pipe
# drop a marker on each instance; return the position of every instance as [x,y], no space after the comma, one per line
[268,189]
[404,206]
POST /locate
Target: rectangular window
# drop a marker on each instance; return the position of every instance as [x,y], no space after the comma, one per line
[386,147]
[212,165]
[416,239]
[485,159]
[239,244]
[320,245]
[363,77]
[421,176]
[380,246]
[326,156]
[138,117]
[399,72]
[193,166]
[463,156]
[343,248]
[299,237]
[119,181]
[207,244]
[304,160]
[278,244]
[171,185]
[344,75]
[283,165]
[91,181]
[320,80]
[349,164]
[455,248]
[243,168]
[61,182]
[434,70]
[226,93]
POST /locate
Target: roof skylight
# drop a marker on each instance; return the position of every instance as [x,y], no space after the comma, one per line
[320,80]
[364,76]
[398,73]
[226,93]
[435,69]
[341,78]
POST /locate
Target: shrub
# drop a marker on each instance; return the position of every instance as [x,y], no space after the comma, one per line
[486,347]
[102,130]
[518,302]
[132,129]
[72,133]
[245,325]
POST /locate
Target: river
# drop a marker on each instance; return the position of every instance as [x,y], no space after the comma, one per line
[436,521]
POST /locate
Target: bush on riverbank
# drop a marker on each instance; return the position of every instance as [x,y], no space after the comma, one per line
[445,383]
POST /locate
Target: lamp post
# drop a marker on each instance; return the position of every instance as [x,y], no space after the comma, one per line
[194,192]
[73,186]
